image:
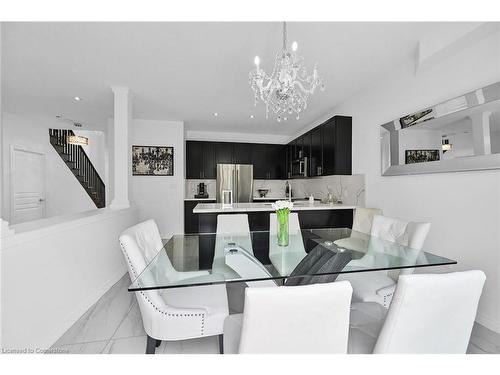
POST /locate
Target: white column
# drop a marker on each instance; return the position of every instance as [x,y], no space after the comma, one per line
[481,133]
[121,153]
[4,225]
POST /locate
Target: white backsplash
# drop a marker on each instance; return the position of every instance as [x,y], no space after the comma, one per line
[191,188]
[350,189]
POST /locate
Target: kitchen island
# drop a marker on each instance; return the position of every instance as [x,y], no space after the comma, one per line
[311,216]
[203,208]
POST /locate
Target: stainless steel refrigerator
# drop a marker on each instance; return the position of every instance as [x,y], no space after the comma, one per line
[235,177]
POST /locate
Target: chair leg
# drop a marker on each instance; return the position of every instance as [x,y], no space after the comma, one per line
[151,345]
[158,343]
[221,344]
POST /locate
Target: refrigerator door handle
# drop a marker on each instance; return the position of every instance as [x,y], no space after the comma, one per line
[236,184]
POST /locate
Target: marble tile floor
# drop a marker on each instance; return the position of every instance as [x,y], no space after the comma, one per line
[114,326]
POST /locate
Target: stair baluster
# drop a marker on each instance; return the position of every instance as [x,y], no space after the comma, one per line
[80,165]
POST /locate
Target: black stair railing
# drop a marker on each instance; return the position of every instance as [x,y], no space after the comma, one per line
[80,165]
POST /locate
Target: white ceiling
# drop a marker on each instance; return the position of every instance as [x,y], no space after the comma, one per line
[187,71]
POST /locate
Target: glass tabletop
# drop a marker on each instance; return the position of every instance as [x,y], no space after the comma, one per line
[313,255]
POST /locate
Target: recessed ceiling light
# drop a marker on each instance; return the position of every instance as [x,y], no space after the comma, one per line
[251,116]
[77,98]
[216,114]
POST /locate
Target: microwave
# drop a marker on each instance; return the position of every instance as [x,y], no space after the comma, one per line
[299,168]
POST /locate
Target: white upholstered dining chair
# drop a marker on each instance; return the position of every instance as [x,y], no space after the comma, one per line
[379,286]
[177,313]
[296,319]
[431,314]
[361,226]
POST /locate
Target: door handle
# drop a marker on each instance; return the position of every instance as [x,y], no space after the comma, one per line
[41,200]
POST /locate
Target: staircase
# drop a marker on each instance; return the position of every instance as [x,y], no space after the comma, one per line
[79,164]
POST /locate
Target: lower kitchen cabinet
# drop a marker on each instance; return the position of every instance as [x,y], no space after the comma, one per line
[309,219]
[259,224]
[191,223]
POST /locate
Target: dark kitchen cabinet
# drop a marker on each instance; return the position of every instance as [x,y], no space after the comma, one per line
[200,162]
[289,158]
[337,146]
[275,155]
[242,153]
[306,145]
[328,129]
[328,148]
[191,221]
[209,165]
[306,151]
[223,152]
[316,158]
[259,161]
[194,159]
[298,148]
[268,162]
[343,145]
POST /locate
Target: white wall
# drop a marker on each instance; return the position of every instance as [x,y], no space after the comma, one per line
[464,208]
[64,194]
[53,275]
[161,197]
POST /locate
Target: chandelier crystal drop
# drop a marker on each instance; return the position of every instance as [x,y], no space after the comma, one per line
[287,89]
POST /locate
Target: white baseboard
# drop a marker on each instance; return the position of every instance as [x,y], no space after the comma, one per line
[71,318]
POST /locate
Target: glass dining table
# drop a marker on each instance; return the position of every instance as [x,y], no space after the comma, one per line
[313,255]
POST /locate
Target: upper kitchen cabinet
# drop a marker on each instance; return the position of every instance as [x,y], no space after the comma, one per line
[259,161]
[209,165]
[343,145]
[223,152]
[199,160]
[268,161]
[276,159]
[306,146]
[327,147]
[316,158]
[242,153]
[337,146]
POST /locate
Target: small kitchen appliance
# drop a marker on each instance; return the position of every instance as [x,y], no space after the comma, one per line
[202,191]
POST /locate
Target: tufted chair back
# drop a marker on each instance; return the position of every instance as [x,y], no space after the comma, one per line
[140,244]
[363,218]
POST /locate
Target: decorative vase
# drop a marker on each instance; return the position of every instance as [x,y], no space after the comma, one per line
[282,220]
[282,211]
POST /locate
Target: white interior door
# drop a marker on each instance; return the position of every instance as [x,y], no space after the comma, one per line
[27,185]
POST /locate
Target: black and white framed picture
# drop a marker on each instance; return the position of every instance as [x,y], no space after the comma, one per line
[416,118]
[421,156]
[152,161]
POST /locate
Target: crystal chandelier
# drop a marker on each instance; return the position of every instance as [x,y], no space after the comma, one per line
[287,89]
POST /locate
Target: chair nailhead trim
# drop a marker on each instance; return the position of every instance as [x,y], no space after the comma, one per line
[154,306]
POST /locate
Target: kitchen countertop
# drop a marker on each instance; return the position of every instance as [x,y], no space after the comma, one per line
[269,198]
[205,208]
[199,199]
